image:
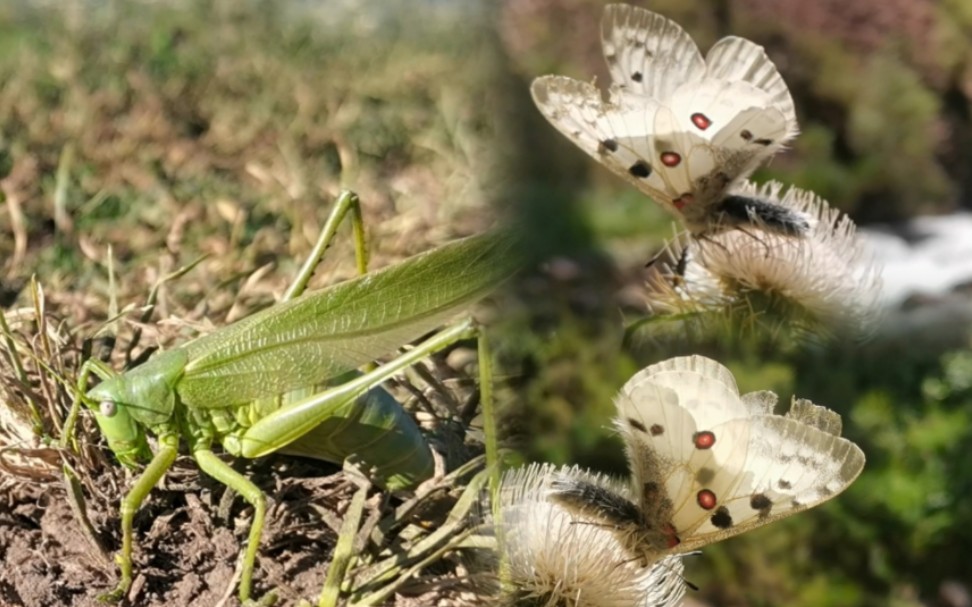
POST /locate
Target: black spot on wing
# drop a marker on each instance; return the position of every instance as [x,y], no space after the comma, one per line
[760,502]
[607,146]
[637,76]
[637,425]
[721,519]
[640,169]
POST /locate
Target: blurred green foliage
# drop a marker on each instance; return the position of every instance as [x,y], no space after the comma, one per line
[884,96]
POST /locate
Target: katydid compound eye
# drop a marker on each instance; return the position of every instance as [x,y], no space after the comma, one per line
[107,408]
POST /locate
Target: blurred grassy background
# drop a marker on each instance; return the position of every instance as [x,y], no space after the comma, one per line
[225,128]
[179,129]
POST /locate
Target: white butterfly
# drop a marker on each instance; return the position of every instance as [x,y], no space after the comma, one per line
[682,129]
[707,463]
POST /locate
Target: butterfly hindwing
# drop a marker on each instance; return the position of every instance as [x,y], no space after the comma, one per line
[727,462]
[790,467]
[736,59]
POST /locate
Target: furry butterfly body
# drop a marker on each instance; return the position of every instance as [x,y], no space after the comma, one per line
[708,463]
[682,129]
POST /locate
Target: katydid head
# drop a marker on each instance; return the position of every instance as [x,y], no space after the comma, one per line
[125,437]
[125,404]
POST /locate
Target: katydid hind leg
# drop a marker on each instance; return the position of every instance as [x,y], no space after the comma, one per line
[222,472]
[347,202]
[286,425]
[376,432]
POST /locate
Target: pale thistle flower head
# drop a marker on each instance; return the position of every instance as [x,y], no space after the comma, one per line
[818,283]
[552,559]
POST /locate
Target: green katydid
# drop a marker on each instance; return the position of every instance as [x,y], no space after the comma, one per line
[259,385]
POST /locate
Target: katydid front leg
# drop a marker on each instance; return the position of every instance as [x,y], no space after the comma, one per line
[161,462]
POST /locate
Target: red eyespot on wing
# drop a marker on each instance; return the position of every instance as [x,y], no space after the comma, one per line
[703,440]
[706,499]
[701,121]
[683,200]
[670,159]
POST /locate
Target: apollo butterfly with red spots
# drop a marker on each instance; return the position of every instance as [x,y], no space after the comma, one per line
[708,463]
[683,129]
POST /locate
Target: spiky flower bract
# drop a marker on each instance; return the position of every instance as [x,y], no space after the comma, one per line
[821,283]
[553,559]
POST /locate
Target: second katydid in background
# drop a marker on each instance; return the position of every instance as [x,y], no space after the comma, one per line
[260,385]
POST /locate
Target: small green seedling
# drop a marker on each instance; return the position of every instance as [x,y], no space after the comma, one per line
[267,382]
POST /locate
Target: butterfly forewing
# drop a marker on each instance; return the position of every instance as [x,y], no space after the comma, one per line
[614,134]
[699,364]
[648,414]
[646,53]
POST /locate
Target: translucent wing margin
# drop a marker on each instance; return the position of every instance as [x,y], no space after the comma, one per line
[647,53]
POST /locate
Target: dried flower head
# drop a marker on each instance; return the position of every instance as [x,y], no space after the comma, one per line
[819,283]
[553,559]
